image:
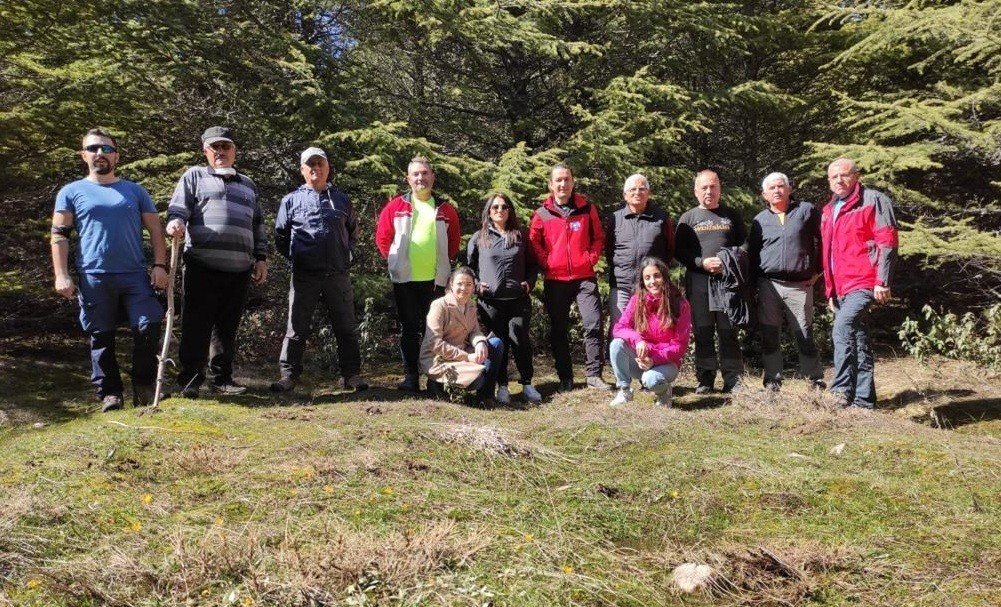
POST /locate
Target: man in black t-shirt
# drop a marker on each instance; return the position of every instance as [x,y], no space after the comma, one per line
[702,232]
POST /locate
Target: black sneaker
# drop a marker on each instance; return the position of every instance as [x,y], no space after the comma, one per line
[229,388]
[142,396]
[410,383]
[818,384]
[285,384]
[110,402]
[734,388]
[566,385]
[356,383]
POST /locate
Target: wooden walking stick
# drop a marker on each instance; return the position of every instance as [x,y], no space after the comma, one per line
[175,246]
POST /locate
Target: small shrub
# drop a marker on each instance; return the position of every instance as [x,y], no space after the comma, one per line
[963,337]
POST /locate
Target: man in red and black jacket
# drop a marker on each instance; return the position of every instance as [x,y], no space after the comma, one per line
[567,240]
[858,250]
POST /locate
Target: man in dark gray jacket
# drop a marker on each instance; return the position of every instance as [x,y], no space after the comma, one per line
[316,230]
[784,247]
[637,230]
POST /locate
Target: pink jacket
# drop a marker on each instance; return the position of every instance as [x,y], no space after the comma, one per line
[667,344]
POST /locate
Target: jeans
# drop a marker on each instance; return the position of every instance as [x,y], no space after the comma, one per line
[213,306]
[413,301]
[793,301]
[853,359]
[656,379]
[509,319]
[558,296]
[305,292]
[486,383]
[100,296]
[618,298]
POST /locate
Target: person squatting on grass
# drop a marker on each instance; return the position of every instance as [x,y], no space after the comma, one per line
[651,337]
[454,350]
[316,230]
[418,236]
[503,261]
[109,214]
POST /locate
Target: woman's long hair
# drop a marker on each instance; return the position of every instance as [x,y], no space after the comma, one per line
[512,229]
[670,302]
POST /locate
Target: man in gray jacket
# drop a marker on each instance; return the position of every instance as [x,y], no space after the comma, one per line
[316,230]
[784,250]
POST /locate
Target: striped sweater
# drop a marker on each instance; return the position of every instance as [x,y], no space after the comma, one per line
[225,227]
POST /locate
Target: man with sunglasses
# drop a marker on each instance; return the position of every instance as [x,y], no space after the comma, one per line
[216,209]
[109,214]
[316,230]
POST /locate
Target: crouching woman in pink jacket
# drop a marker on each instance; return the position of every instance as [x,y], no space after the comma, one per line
[651,336]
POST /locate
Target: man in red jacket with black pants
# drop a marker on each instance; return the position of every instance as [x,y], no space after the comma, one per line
[858,249]
[567,240]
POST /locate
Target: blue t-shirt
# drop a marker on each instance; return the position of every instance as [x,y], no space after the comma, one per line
[108,219]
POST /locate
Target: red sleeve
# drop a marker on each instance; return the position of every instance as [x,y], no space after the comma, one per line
[597,237]
[384,229]
[536,239]
[454,231]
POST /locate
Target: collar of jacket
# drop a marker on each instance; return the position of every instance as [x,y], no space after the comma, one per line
[451,302]
[646,212]
[326,187]
[852,201]
[438,200]
[578,200]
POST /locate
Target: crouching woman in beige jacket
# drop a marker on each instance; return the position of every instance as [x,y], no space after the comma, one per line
[455,351]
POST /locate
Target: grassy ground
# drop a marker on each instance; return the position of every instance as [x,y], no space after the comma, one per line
[327,499]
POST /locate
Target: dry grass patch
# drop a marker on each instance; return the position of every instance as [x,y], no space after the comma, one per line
[486,439]
[208,459]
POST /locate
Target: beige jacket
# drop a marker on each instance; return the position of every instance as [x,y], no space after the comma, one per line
[452,333]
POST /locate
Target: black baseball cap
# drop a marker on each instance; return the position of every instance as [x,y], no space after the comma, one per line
[217,133]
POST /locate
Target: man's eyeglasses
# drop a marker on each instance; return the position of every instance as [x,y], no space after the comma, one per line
[104,148]
[637,190]
[499,207]
[221,146]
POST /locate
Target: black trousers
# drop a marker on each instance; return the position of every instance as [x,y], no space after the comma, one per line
[509,319]
[559,295]
[213,306]
[413,302]
[305,292]
[105,374]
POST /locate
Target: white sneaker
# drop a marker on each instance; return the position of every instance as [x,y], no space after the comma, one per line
[503,395]
[624,396]
[530,393]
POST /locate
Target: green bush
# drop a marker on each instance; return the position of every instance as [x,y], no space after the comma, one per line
[965,337]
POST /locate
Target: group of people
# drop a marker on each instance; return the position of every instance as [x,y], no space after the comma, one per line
[732,275]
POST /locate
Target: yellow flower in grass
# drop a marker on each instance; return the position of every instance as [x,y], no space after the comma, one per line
[387,490]
[33,583]
[675,495]
[135,526]
[146,498]
[247,601]
[529,537]
[567,569]
[328,489]
[218,520]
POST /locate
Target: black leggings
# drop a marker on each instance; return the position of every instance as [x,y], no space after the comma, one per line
[509,319]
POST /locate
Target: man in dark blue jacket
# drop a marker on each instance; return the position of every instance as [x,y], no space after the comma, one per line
[316,230]
[784,247]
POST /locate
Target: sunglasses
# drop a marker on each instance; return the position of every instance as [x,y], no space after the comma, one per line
[499,207]
[104,148]
[221,145]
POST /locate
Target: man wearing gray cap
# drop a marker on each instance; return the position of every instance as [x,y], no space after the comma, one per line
[226,246]
[316,230]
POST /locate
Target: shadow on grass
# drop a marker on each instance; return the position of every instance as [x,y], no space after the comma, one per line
[909,396]
[46,382]
[960,413]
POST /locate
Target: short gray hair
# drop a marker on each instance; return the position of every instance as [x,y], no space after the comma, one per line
[420,160]
[851,164]
[636,176]
[775,175]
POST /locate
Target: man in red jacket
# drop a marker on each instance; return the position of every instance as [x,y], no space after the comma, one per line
[567,240]
[418,235]
[858,250]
